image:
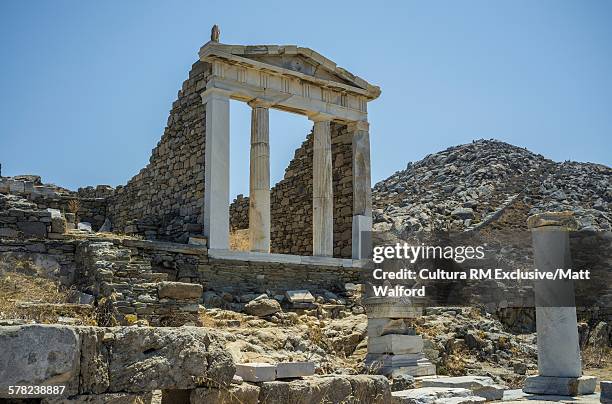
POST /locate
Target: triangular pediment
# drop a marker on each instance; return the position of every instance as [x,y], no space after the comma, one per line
[291,58]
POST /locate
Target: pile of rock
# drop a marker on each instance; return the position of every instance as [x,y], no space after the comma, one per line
[464,186]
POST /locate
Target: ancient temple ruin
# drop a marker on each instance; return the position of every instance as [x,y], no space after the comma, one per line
[184,191]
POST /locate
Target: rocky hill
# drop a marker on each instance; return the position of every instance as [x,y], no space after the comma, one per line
[488,182]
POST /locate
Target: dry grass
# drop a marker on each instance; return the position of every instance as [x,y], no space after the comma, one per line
[239,240]
[47,300]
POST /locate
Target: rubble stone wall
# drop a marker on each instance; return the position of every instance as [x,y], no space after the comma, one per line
[239,213]
[46,258]
[24,204]
[165,199]
[192,264]
[291,200]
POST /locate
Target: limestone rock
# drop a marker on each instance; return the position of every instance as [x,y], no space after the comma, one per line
[481,386]
[426,395]
[262,307]
[329,388]
[145,359]
[110,398]
[244,393]
[37,355]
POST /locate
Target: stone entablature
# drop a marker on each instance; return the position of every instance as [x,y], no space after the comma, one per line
[291,78]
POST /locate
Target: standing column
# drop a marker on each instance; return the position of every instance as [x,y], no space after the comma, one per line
[322,192]
[559,364]
[259,184]
[362,191]
[216,169]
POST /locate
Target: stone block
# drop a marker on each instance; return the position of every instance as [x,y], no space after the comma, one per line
[383,326]
[409,364]
[235,394]
[197,241]
[327,389]
[390,308]
[262,307]
[435,395]
[84,226]
[110,398]
[481,386]
[146,359]
[58,225]
[36,229]
[8,232]
[256,372]
[39,355]
[606,391]
[395,344]
[299,296]
[287,370]
[562,386]
[179,290]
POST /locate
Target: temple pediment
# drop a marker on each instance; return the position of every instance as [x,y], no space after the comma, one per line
[291,60]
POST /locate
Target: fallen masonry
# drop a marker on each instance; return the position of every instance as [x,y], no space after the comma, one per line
[127,364]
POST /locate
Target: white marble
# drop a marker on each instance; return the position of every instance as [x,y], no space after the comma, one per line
[287,370]
[216,178]
[259,180]
[256,372]
[322,194]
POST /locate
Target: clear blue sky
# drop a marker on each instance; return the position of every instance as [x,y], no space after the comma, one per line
[87,85]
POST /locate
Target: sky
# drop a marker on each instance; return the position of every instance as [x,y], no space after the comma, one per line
[87,85]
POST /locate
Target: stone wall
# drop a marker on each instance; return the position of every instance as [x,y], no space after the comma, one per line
[129,290]
[165,199]
[291,199]
[45,258]
[24,205]
[239,213]
[192,264]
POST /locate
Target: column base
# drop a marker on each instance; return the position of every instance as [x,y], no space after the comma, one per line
[560,386]
[408,364]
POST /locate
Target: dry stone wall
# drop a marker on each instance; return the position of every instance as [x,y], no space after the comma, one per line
[239,213]
[291,199]
[165,199]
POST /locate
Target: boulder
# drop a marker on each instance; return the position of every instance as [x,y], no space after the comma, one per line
[262,307]
[39,355]
[111,398]
[328,388]
[179,290]
[145,359]
[244,393]
[98,360]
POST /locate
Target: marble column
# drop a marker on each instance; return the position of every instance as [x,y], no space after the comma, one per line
[322,195]
[362,190]
[259,183]
[559,363]
[216,168]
